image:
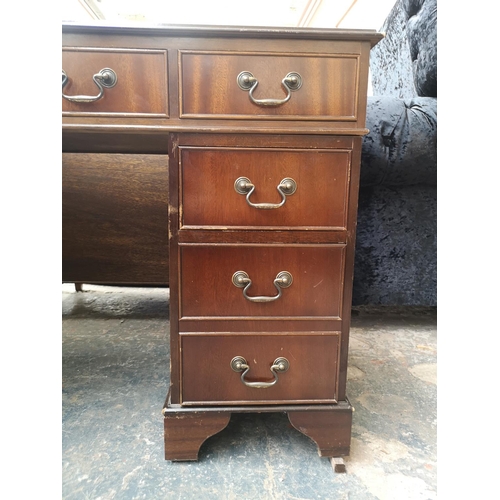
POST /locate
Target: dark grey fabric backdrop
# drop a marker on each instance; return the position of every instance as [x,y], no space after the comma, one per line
[395,261]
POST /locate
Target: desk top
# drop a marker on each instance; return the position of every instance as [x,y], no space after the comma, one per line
[213,79]
[224,31]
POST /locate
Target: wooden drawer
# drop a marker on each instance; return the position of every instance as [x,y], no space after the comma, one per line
[133,95]
[209,198]
[207,376]
[114,218]
[207,289]
[209,85]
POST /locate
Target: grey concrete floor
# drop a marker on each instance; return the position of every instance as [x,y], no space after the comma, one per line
[115,379]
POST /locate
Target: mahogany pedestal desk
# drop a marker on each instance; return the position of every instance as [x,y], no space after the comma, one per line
[224,162]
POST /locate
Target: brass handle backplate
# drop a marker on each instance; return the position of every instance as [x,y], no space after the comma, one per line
[106,78]
[241,280]
[286,187]
[291,82]
[239,364]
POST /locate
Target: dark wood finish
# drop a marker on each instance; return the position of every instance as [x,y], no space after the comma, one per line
[338,464]
[114,224]
[209,86]
[330,430]
[319,44]
[190,31]
[208,378]
[187,428]
[186,432]
[349,265]
[173,237]
[77,141]
[169,407]
[177,91]
[208,176]
[269,141]
[218,234]
[132,95]
[207,290]
[279,324]
[110,124]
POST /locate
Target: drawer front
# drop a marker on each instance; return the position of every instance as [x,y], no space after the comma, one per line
[132,95]
[209,86]
[207,289]
[208,377]
[209,197]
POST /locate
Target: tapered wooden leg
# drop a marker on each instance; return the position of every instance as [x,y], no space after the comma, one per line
[329,429]
[186,432]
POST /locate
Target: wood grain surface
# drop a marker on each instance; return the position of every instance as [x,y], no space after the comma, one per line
[132,216]
[114,218]
[141,87]
[207,290]
[210,199]
[209,85]
[207,377]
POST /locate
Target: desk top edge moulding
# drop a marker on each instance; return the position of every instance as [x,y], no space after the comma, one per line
[218,31]
[224,162]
